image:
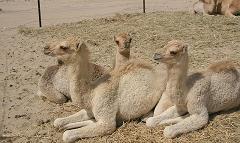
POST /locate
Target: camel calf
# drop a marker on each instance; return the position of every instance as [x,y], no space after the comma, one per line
[54,83]
[128,92]
[214,7]
[200,94]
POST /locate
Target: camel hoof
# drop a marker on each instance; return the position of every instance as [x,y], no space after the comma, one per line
[169,132]
[68,137]
[58,123]
[150,122]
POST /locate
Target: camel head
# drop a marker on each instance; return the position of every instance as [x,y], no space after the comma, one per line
[123,41]
[67,51]
[175,53]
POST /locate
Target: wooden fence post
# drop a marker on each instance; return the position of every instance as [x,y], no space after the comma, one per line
[144,11]
[39,14]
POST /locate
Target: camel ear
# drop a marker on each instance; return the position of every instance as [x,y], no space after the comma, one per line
[81,46]
[130,40]
[185,48]
[115,40]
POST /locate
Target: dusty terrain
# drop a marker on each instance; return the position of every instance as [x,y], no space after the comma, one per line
[24,12]
[26,118]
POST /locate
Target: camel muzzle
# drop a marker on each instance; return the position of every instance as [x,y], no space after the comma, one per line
[46,50]
[157,56]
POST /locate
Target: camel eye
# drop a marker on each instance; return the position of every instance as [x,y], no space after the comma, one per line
[117,42]
[130,40]
[173,53]
[63,47]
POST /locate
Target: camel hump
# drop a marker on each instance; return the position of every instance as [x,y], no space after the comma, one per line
[223,66]
[135,64]
[131,65]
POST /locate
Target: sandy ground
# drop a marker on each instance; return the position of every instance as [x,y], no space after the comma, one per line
[21,12]
[26,118]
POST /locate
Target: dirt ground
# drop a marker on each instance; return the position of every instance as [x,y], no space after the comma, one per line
[24,12]
[26,118]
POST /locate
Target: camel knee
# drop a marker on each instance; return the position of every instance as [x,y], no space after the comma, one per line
[202,120]
[152,121]
[163,104]
[228,13]
[56,98]
[160,108]
[106,128]
[82,115]
[60,100]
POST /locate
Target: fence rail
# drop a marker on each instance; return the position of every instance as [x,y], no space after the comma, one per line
[40,19]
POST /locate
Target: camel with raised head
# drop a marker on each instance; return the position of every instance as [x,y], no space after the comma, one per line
[54,83]
[129,92]
[199,94]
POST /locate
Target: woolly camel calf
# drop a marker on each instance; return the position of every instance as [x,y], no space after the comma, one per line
[123,41]
[213,7]
[124,94]
[216,89]
[54,83]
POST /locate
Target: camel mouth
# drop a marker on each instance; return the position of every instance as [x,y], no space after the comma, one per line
[157,56]
[237,13]
[48,53]
[127,45]
[125,49]
[60,62]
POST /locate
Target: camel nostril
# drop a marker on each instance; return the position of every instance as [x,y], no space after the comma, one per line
[157,56]
[46,47]
[46,51]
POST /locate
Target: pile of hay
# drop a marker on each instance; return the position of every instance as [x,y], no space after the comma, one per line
[211,39]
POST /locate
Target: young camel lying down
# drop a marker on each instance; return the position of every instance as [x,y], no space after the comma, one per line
[123,41]
[124,94]
[54,83]
[216,89]
[214,7]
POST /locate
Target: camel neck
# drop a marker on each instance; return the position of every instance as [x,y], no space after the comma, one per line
[121,59]
[78,74]
[176,85]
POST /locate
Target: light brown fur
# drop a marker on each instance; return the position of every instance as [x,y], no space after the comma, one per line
[223,66]
[131,66]
[127,93]
[199,94]
[54,84]
[214,7]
